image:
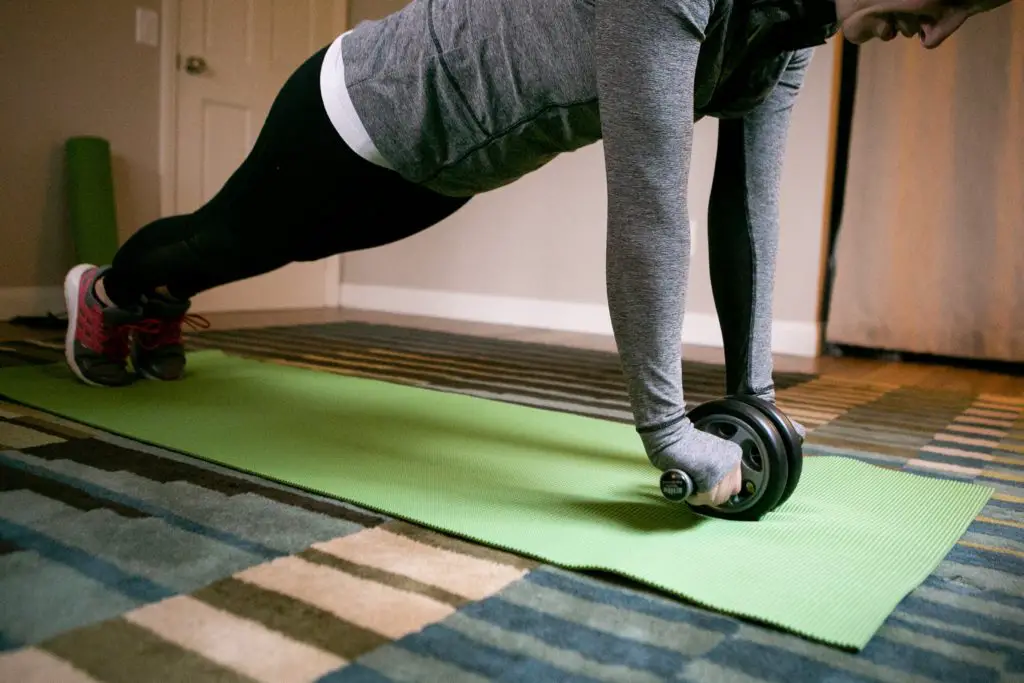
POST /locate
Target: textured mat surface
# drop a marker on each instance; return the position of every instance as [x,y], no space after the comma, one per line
[831,565]
[103,515]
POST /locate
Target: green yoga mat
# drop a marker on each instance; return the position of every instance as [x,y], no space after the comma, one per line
[577,492]
[92,210]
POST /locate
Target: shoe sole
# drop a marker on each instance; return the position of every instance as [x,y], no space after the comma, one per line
[147,375]
[72,290]
[140,370]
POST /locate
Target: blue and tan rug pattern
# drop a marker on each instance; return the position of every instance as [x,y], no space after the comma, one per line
[121,562]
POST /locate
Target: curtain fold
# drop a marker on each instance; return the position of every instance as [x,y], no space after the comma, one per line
[930,257]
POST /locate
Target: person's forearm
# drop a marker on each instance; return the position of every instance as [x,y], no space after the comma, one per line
[743,231]
[645,66]
[646,58]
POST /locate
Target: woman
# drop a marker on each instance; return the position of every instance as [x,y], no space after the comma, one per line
[398,123]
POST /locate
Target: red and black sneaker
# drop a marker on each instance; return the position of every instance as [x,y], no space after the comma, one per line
[97,343]
[158,350]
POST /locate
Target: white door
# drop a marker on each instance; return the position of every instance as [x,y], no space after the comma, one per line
[234,55]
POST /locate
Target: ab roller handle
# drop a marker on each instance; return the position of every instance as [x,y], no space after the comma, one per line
[676,485]
[770,464]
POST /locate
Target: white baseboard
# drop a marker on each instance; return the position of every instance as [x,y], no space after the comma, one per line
[699,329]
[30,301]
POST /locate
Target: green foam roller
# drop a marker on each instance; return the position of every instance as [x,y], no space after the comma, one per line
[92,210]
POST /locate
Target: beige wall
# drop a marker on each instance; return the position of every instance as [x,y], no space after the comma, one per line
[69,68]
[72,70]
[543,236]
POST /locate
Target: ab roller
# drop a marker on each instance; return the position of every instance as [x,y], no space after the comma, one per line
[771,462]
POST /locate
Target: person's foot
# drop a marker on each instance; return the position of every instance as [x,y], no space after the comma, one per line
[96,346]
[158,351]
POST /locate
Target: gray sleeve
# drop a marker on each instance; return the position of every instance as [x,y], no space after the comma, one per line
[743,230]
[646,55]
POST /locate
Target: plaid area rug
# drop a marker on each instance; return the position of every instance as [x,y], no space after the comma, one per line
[123,562]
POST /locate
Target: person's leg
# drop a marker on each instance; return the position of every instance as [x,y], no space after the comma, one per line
[743,234]
[301,195]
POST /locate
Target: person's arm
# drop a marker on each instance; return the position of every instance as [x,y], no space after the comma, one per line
[646,56]
[743,230]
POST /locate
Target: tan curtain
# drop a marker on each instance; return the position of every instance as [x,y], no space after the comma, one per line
[930,257]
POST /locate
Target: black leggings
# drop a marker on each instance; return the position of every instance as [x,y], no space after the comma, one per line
[301,195]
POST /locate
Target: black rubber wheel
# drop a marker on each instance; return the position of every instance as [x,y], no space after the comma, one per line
[790,436]
[765,460]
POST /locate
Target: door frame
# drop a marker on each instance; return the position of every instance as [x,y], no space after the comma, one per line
[170,11]
[169,28]
[844,86]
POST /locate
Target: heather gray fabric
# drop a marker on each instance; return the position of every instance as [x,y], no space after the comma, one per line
[464,96]
[743,231]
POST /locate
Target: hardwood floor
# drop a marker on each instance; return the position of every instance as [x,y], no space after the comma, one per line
[924,375]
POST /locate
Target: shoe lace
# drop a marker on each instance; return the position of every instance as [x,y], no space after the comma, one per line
[114,341]
[110,339]
[154,333]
